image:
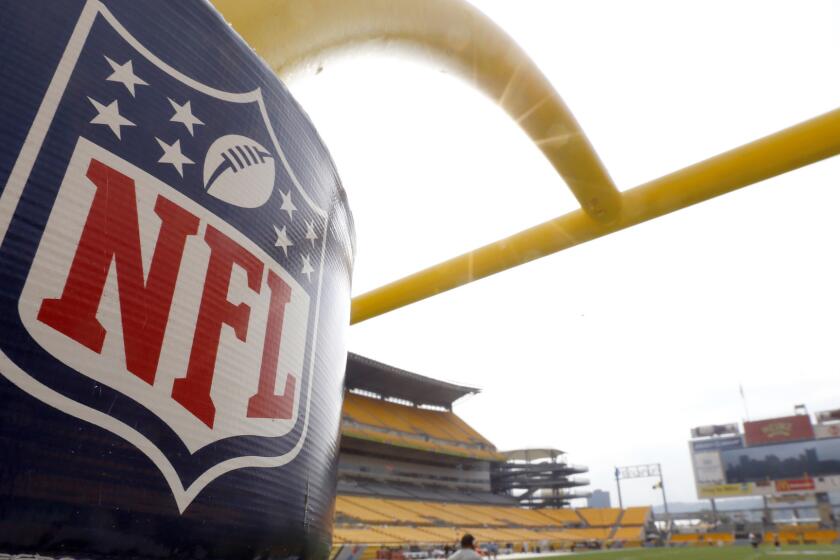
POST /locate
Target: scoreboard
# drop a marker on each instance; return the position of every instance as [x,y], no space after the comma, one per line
[774,457]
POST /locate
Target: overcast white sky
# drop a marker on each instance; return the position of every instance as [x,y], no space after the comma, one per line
[612,350]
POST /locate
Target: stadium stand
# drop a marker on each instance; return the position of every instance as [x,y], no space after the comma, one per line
[600,517]
[403,514]
[411,473]
[701,539]
[633,536]
[803,534]
[362,535]
[820,536]
[439,431]
[411,522]
[345,507]
[635,516]
[564,517]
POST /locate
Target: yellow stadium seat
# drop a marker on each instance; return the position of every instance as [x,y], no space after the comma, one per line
[813,537]
[408,426]
[600,517]
[629,534]
[354,535]
[414,535]
[346,507]
[685,538]
[562,517]
[726,538]
[389,521]
[635,516]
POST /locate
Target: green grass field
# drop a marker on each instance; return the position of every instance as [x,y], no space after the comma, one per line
[816,552]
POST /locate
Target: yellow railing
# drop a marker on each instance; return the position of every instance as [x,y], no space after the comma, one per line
[291,33]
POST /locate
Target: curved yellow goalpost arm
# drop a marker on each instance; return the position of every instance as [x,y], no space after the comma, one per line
[289,34]
[789,149]
[292,33]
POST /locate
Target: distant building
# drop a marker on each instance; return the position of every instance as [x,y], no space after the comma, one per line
[598,499]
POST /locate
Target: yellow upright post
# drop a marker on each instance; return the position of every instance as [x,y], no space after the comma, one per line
[795,147]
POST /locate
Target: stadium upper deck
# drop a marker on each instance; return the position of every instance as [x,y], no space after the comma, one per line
[404,426]
[398,408]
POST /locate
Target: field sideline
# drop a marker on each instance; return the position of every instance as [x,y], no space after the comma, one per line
[815,552]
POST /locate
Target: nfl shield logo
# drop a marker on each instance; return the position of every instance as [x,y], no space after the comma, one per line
[162,263]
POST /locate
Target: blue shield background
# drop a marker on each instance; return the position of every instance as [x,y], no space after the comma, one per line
[67,486]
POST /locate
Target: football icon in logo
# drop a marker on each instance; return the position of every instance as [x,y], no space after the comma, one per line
[239,171]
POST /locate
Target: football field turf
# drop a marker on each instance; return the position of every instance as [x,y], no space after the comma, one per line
[816,552]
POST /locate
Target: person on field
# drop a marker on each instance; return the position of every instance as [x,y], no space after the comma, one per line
[754,540]
[467,551]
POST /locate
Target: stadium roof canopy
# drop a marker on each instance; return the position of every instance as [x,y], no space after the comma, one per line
[532,454]
[388,381]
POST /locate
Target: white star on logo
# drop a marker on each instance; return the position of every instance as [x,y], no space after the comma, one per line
[287,205]
[124,74]
[282,240]
[183,114]
[172,154]
[307,268]
[310,233]
[109,115]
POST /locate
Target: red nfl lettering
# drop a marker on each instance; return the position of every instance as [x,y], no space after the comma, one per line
[194,390]
[265,404]
[112,233]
